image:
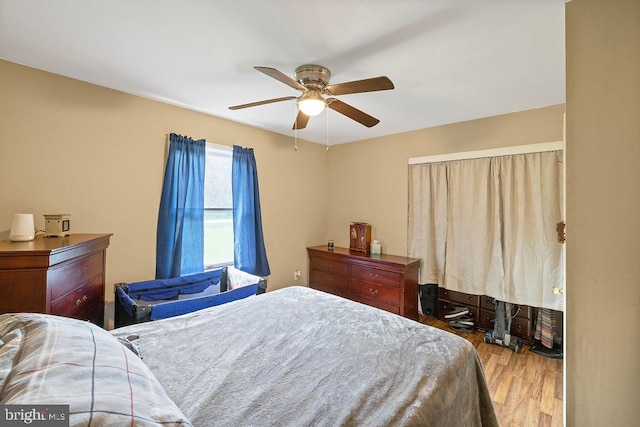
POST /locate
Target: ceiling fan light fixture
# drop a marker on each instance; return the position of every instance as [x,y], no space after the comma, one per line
[311,103]
[313,81]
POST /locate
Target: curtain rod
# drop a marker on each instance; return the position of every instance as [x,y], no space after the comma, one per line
[491,152]
[220,146]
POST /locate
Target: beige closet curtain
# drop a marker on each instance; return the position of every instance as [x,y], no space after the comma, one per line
[428,219]
[487,226]
[474,254]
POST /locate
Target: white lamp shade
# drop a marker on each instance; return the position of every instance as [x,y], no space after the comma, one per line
[22,228]
[311,103]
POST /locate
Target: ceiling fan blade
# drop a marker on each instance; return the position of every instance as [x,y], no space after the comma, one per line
[280,76]
[266,101]
[352,112]
[359,86]
[301,121]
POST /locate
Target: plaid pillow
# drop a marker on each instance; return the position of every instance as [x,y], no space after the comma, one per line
[47,359]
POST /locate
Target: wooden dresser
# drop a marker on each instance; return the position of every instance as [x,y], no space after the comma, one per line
[56,275]
[384,281]
[482,309]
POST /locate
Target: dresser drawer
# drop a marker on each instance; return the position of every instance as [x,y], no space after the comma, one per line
[387,278]
[525,312]
[68,277]
[519,311]
[328,282]
[521,327]
[93,313]
[486,319]
[380,293]
[459,297]
[22,290]
[487,303]
[75,302]
[373,302]
[330,266]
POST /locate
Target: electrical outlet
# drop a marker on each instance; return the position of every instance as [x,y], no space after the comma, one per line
[296,275]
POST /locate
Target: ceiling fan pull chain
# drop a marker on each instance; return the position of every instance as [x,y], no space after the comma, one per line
[327,130]
[295,133]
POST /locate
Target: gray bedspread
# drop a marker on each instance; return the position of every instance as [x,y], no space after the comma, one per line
[299,357]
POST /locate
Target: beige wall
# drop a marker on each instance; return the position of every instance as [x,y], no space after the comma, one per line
[98,154]
[368,179]
[72,147]
[603,213]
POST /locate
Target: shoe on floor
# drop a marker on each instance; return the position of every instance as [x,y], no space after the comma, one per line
[465,320]
[456,312]
[461,324]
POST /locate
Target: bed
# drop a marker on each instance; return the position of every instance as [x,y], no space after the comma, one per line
[290,357]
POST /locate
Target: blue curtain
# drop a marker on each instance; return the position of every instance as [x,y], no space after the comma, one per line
[180,235]
[249,252]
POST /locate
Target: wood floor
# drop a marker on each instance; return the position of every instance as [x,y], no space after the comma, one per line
[526,388]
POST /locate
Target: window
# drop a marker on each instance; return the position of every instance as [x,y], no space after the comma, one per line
[218,207]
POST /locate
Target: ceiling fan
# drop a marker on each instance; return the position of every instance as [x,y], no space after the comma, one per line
[313,81]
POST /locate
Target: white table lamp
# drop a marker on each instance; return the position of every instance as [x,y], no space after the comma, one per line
[22,229]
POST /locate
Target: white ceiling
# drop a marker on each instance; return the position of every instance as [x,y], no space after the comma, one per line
[450,60]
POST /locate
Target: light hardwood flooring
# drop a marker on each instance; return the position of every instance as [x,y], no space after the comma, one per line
[526,388]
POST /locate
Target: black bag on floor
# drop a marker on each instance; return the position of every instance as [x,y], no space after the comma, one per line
[429,298]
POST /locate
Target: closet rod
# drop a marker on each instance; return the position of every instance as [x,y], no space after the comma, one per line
[491,152]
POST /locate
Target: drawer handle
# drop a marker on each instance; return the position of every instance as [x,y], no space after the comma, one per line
[373,276]
[79,301]
[84,298]
[373,291]
[329,266]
